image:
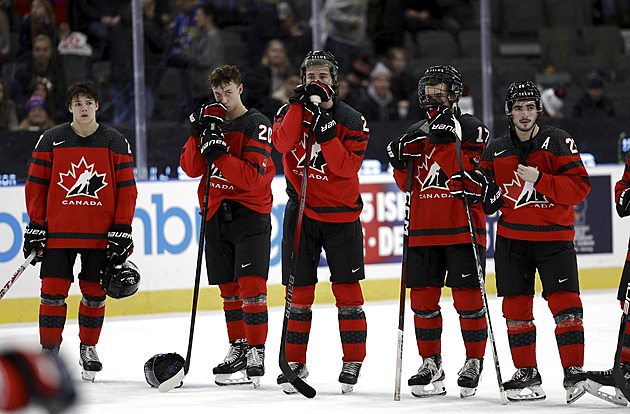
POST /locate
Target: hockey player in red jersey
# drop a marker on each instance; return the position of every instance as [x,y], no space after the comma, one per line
[439,237]
[331,216]
[598,379]
[236,143]
[541,175]
[80,198]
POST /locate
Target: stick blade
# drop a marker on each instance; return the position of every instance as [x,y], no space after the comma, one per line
[172,382]
[303,388]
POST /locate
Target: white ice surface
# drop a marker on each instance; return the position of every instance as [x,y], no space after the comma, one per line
[127,342]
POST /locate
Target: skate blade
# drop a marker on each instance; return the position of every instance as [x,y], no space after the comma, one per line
[228,379]
[575,392]
[88,375]
[347,388]
[535,393]
[437,388]
[255,381]
[465,392]
[594,388]
[288,388]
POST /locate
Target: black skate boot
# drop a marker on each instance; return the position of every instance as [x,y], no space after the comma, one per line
[235,362]
[50,349]
[89,362]
[469,377]
[525,379]
[574,378]
[256,364]
[595,380]
[300,370]
[429,373]
[349,376]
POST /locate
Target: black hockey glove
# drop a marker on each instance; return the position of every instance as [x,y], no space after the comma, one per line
[213,145]
[324,129]
[402,148]
[477,188]
[623,204]
[204,117]
[35,237]
[299,95]
[119,243]
[442,125]
[319,88]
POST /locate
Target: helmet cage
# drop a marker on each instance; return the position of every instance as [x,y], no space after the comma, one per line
[522,91]
[435,75]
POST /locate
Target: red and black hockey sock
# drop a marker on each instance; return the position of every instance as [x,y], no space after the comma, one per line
[91,312]
[299,326]
[352,323]
[566,308]
[53,310]
[253,290]
[233,311]
[427,319]
[472,320]
[517,311]
[625,349]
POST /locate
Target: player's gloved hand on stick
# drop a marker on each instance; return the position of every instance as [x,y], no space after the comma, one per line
[324,129]
[404,147]
[477,188]
[623,204]
[35,237]
[204,117]
[119,243]
[213,145]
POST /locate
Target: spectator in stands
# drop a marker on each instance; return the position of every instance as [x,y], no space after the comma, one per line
[43,87]
[346,23]
[403,82]
[94,18]
[206,53]
[358,81]
[290,82]
[37,118]
[5,35]
[122,74]
[426,15]
[594,104]
[40,20]
[8,116]
[552,103]
[377,103]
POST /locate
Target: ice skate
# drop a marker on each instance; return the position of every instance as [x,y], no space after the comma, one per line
[429,373]
[596,380]
[469,376]
[300,370]
[89,362]
[232,370]
[574,378]
[349,376]
[50,350]
[528,380]
[256,364]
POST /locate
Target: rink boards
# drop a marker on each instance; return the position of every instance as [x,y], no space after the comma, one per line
[166,231]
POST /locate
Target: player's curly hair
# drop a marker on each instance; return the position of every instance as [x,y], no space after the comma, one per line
[224,75]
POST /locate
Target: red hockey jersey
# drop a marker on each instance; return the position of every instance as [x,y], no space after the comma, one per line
[245,174]
[333,184]
[437,218]
[542,211]
[623,185]
[79,186]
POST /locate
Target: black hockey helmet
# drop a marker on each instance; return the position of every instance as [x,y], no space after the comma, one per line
[320,58]
[161,367]
[121,281]
[522,91]
[436,75]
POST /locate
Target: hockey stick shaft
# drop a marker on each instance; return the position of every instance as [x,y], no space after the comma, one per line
[177,378]
[299,384]
[480,275]
[403,280]
[17,274]
[621,382]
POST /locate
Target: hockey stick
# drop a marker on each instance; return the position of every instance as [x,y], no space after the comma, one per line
[299,384]
[620,380]
[175,380]
[17,274]
[403,279]
[482,282]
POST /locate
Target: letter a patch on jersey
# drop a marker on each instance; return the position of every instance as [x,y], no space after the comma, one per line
[82,180]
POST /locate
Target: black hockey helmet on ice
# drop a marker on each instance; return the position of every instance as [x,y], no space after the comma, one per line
[522,91]
[320,58]
[121,281]
[436,75]
[161,367]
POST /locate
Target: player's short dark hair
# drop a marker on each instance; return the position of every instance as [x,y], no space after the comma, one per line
[81,88]
[224,75]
